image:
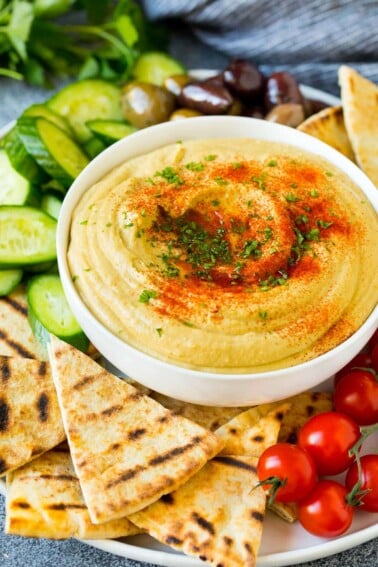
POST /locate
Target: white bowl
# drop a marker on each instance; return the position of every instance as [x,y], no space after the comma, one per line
[182,383]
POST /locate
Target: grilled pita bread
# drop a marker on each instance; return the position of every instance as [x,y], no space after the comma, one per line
[360,103]
[302,407]
[328,126]
[216,515]
[16,337]
[210,417]
[30,420]
[253,431]
[44,499]
[127,449]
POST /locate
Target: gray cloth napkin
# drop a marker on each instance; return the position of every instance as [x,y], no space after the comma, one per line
[309,38]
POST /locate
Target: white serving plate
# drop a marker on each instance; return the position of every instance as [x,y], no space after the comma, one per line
[282,544]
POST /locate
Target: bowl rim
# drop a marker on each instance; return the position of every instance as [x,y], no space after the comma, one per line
[107,162]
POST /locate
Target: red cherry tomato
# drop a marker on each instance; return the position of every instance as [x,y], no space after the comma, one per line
[292,466]
[356,394]
[361,360]
[374,357]
[325,512]
[327,437]
[369,478]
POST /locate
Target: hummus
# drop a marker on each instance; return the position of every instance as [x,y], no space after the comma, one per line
[227,255]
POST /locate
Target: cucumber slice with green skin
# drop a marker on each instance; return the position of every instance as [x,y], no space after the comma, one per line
[43,111]
[110,131]
[20,159]
[56,152]
[14,188]
[94,146]
[155,66]
[27,236]
[51,204]
[49,312]
[9,279]
[87,100]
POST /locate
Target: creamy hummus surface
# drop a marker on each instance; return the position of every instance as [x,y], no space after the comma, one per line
[227,255]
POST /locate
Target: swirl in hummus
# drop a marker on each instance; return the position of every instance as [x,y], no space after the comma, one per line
[230,255]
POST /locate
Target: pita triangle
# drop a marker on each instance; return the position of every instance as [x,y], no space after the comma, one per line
[218,514]
[44,499]
[360,105]
[127,449]
[30,420]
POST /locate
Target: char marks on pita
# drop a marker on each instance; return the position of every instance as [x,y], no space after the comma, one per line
[30,420]
[215,516]
[360,104]
[127,449]
[16,337]
[254,430]
[44,499]
[328,126]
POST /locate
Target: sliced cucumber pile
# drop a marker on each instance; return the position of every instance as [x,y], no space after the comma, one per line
[14,188]
[49,312]
[9,279]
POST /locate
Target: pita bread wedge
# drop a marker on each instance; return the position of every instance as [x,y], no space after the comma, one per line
[44,499]
[253,431]
[302,407]
[215,516]
[16,337]
[329,127]
[127,449]
[210,417]
[30,420]
[360,104]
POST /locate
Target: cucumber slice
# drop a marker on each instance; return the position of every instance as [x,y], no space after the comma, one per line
[14,188]
[43,111]
[110,131]
[94,146]
[22,162]
[51,204]
[87,100]
[49,312]
[27,236]
[155,66]
[9,279]
[55,151]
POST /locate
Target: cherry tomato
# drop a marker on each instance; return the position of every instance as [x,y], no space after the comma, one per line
[325,512]
[356,394]
[327,437]
[374,357]
[361,360]
[292,466]
[369,478]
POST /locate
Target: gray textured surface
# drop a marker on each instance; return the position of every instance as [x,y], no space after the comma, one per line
[18,552]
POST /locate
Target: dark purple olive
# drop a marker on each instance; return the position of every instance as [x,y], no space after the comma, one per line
[244,79]
[281,87]
[206,98]
[287,113]
[313,106]
[215,80]
[254,112]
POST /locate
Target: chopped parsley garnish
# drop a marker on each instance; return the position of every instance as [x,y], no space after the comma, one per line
[272,163]
[146,295]
[324,224]
[313,234]
[237,165]
[314,193]
[291,198]
[215,203]
[329,173]
[210,157]
[108,224]
[260,181]
[220,181]
[128,225]
[251,249]
[159,331]
[74,277]
[263,315]
[195,166]
[84,222]
[170,175]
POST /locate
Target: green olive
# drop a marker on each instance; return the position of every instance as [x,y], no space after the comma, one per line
[174,83]
[144,104]
[181,113]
